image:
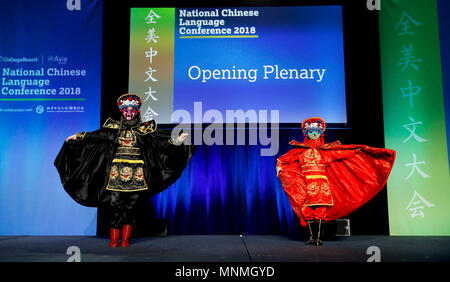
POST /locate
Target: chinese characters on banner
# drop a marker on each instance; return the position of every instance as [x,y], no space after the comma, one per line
[414,118]
[405,29]
[151,39]
[151,60]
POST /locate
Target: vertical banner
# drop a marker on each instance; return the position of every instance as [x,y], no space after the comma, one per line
[152,59]
[50,78]
[414,118]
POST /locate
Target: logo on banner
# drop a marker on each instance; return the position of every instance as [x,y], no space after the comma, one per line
[39,109]
[73,5]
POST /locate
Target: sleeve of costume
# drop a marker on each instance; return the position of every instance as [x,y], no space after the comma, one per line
[290,160]
[340,152]
[164,161]
[291,178]
[101,135]
[83,166]
[356,179]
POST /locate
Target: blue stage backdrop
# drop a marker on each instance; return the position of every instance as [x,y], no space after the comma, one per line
[231,190]
[50,74]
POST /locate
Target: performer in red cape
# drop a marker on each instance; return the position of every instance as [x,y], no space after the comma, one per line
[326,181]
[120,164]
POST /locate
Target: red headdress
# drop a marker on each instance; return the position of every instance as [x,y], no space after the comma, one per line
[129,100]
[313,123]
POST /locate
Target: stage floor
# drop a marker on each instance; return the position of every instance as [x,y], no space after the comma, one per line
[224,248]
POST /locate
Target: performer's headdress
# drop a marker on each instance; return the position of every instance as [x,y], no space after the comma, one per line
[313,123]
[129,100]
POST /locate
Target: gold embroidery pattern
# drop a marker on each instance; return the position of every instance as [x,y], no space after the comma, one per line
[80,135]
[313,168]
[128,151]
[139,174]
[311,157]
[142,129]
[114,172]
[326,189]
[291,183]
[313,189]
[128,161]
[110,123]
[126,174]
[316,177]
[127,139]
[146,127]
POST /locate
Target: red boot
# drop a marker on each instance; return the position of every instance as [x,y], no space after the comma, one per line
[114,237]
[126,231]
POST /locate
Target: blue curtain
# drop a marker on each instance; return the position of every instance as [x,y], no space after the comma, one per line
[230,189]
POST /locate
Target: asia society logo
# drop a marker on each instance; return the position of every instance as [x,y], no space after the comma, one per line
[73,5]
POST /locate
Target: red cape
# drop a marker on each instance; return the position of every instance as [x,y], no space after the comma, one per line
[356,174]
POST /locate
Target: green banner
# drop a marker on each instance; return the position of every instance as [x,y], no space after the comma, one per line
[414,118]
[151,60]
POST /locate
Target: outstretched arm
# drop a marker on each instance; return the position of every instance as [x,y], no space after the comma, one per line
[341,152]
[79,135]
[102,135]
[289,161]
[179,139]
[72,137]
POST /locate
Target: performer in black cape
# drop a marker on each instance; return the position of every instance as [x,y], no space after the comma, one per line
[120,164]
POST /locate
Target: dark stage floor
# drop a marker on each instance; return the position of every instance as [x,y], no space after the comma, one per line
[225,248]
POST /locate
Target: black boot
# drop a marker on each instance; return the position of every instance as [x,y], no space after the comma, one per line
[318,241]
[310,229]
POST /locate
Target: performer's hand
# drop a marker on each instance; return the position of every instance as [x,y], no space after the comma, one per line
[278,170]
[181,138]
[73,137]
[278,167]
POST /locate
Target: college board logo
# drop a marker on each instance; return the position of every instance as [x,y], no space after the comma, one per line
[73,5]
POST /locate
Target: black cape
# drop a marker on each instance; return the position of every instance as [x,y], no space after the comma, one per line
[84,164]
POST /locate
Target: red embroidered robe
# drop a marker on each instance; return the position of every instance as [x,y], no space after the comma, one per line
[342,177]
